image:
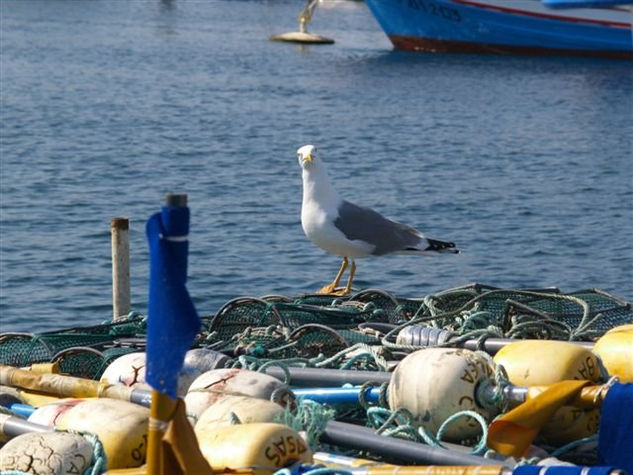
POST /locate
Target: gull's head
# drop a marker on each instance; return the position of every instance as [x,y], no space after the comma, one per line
[307,156]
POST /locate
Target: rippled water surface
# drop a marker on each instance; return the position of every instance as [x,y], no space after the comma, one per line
[525,162]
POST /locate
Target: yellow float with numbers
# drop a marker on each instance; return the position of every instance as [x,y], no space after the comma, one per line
[543,362]
[261,448]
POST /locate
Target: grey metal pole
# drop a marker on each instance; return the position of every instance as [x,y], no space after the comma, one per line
[119,229]
[307,377]
[364,438]
[13,426]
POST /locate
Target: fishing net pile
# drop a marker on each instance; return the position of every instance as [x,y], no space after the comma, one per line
[316,328]
[371,330]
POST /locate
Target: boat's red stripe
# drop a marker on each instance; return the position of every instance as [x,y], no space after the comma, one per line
[417,43]
[542,15]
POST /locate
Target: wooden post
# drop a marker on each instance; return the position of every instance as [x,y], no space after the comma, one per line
[119,229]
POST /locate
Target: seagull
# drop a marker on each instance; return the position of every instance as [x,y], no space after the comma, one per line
[351,231]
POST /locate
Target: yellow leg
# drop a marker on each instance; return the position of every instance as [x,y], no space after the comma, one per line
[328,289]
[348,287]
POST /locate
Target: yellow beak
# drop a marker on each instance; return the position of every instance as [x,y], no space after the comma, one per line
[308,158]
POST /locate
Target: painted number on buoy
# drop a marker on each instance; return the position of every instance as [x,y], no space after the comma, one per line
[476,370]
[588,369]
[138,453]
[80,467]
[285,448]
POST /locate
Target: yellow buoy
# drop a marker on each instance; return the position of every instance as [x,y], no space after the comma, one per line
[120,425]
[247,409]
[50,453]
[544,362]
[262,448]
[615,349]
[435,383]
[541,362]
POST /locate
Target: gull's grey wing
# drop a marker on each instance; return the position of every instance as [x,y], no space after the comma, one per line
[367,225]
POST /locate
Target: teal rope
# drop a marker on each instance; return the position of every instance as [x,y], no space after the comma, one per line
[99,460]
[382,395]
[308,416]
[377,416]
[284,368]
[572,445]
[369,353]
[480,448]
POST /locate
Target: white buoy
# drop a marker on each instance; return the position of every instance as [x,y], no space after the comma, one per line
[302,36]
[210,386]
[435,383]
[130,369]
[127,369]
[51,453]
[49,414]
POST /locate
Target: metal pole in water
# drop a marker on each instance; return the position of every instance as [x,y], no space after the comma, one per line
[120,231]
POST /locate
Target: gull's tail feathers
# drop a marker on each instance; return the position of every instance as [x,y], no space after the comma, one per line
[433,246]
[442,247]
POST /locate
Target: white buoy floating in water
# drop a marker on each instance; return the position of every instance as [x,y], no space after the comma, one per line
[302,36]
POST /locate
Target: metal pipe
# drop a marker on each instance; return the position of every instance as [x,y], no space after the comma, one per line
[364,438]
[306,377]
[337,395]
[493,345]
[12,426]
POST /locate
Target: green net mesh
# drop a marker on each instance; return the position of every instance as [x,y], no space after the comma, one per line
[319,326]
[80,351]
[358,331]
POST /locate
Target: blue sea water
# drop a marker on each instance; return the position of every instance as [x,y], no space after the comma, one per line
[525,162]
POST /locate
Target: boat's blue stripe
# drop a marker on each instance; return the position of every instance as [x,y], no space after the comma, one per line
[450,21]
